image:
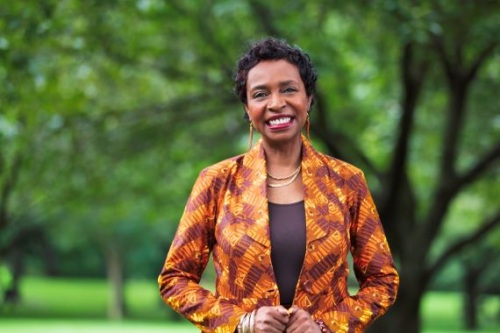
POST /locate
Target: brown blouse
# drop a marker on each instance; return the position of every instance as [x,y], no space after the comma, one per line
[288,246]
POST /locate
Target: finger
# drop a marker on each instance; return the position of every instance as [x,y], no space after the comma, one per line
[293,309]
[281,310]
[269,319]
[299,317]
[269,327]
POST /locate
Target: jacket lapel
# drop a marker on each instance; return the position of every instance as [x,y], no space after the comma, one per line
[314,178]
[255,195]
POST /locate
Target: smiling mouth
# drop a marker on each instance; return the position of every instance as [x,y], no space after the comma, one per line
[279,121]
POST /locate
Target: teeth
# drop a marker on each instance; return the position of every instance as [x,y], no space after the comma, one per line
[280,121]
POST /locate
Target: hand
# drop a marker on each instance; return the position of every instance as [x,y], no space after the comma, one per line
[271,319]
[301,322]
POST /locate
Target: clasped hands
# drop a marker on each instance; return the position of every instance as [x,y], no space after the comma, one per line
[277,319]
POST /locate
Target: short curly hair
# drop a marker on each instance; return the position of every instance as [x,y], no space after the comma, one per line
[271,48]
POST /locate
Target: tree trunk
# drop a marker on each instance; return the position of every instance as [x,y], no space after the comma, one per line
[12,293]
[471,298]
[116,304]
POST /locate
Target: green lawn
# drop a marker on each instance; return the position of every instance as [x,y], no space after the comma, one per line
[83,299]
[90,326]
[71,305]
[442,313]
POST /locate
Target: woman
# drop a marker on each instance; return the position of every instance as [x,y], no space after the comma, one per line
[279,221]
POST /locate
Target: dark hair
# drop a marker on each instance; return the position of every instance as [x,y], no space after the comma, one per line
[271,48]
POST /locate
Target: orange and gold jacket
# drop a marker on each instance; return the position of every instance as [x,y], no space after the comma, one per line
[227,215]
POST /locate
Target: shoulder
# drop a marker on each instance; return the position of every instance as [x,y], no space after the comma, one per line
[343,175]
[335,166]
[216,176]
[212,181]
[224,167]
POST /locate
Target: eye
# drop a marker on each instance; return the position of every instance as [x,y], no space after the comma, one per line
[259,94]
[289,90]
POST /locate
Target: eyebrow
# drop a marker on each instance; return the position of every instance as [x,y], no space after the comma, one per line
[282,84]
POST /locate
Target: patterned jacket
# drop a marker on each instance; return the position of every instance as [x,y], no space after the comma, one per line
[227,215]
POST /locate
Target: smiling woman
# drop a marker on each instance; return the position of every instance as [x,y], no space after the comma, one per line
[280,221]
[277,103]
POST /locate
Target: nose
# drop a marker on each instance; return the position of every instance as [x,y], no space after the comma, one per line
[276,102]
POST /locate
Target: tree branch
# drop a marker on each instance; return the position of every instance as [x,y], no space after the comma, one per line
[483,164]
[396,196]
[339,144]
[449,181]
[412,77]
[455,248]
[479,61]
[265,17]
[443,57]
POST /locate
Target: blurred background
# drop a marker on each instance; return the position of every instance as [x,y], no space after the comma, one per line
[110,108]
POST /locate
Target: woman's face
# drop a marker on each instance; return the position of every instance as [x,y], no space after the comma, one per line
[277,102]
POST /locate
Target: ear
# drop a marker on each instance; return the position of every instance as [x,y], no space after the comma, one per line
[309,103]
[248,113]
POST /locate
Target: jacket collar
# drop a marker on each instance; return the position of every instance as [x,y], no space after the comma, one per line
[315,192]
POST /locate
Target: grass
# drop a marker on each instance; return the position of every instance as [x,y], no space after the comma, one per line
[80,306]
[83,299]
[90,326]
[442,313]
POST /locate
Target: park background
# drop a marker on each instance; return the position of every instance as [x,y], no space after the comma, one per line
[110,108]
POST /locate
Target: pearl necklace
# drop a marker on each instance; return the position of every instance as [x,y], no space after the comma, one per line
[292,179]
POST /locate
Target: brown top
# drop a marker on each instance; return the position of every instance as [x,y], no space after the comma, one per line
[288,246]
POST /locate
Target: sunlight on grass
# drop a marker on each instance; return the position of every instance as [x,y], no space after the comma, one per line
[442,313]
[84,298]
[90,326]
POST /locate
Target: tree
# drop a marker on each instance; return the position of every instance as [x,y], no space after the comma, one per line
[462,46]
[459,40]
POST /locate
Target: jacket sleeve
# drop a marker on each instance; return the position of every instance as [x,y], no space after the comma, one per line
[188,257]
[373,265]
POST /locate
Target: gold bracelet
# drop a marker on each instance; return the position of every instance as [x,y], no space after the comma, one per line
[252,321]
[241,328]
[246,323]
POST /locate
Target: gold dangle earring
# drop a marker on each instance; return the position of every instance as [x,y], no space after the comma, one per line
[250,137]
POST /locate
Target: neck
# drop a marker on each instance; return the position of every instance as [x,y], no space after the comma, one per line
[280,159]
